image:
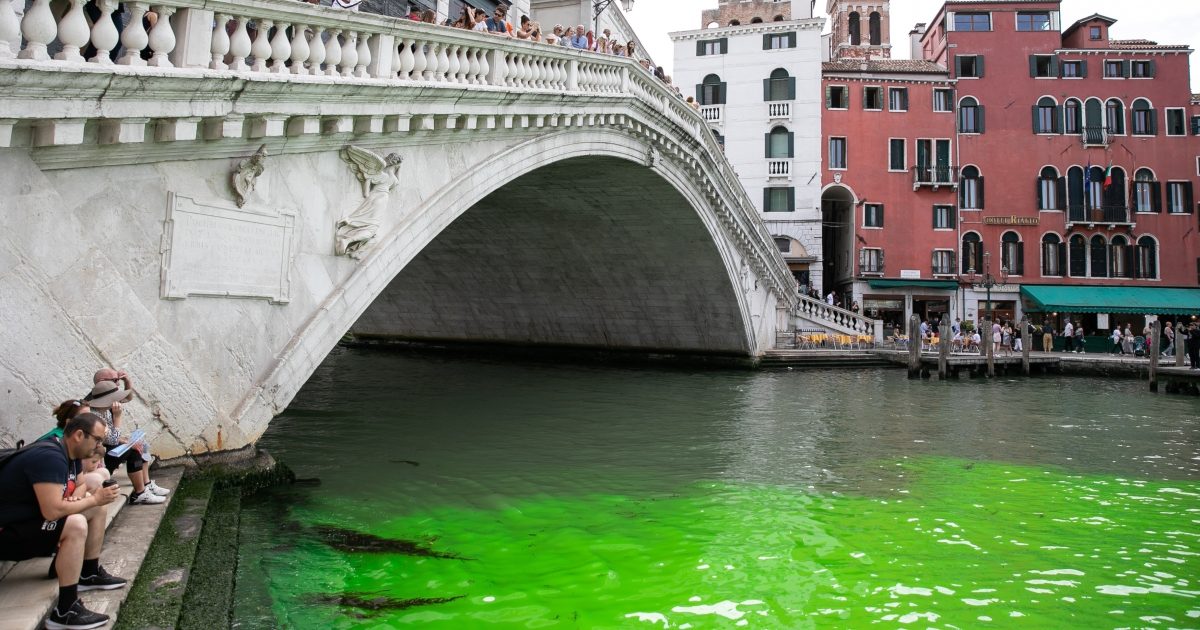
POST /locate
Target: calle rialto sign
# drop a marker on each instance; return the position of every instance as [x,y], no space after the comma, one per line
[1013,220]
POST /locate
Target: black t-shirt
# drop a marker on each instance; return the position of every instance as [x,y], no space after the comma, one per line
[44,462]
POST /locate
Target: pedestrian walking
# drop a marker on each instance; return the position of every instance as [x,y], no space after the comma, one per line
[1079,337]
[1068,337]
[1047,337]
[1169,335]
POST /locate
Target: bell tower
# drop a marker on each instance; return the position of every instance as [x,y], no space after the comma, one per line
[861,29]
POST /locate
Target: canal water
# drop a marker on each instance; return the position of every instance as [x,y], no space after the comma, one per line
[462,493]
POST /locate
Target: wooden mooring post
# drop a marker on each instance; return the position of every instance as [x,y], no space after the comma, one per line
[1026,341]
[943,351]
[1155,333]
[989,343]
[914,347]
[1179,351]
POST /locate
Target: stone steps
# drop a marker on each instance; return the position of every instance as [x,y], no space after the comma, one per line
[26,595]
[822,359]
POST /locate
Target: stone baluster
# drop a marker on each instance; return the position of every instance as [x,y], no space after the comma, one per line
[162,38]
[261,49]
[513,76]
[10,30]
[408,61]
[333,53]
[134,37]
[72,33]
[281,49]
[485,68]
[364,55]
[104,33]
[39,30]
[443,64]
[316,50]
[300,50]
[396,57]
[452,60]
[349,54]
[420,69]
[218,46]
[464,66]
[239,45]
[538,66]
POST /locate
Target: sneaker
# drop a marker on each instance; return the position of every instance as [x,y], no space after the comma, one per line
[158,490]
[146,498]
[77,617]
[102,581]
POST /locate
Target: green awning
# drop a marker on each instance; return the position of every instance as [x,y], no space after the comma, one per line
[945,285]
[1136,300]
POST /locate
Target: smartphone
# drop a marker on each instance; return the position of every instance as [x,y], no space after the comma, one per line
[108,483]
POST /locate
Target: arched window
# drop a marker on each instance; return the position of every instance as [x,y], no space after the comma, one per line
[1072,117]
[1093,114]
[970,189]
[780,87]
[972,253]
[1095,193]
[1147,258]
[1121,257]
[1115,200]
[778,18]
[711,91]
[970,115]
[1079,256]
[1054,256]
[875,28]
[1114,117]
[855,29]
[780,143]
[1046,116]
[1145,123]
[1147,193]
[1099,257]
[735,22]
[1012,253]
[756,20]
[1051,191]
[1075,207]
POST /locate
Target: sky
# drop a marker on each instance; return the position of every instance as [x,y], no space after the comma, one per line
[1164,21]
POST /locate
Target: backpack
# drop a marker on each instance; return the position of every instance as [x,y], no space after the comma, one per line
[7,454]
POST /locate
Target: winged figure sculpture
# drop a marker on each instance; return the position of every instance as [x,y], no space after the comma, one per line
[378,176]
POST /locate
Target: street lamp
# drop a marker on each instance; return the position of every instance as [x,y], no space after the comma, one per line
[988,281]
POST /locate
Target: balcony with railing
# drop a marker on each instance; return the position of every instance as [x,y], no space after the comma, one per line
[713,114]
[779,110]
[1109,214]
[1096,137]
[934,176]
[779,168]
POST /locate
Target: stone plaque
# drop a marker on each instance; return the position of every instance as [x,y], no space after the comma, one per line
[214,249]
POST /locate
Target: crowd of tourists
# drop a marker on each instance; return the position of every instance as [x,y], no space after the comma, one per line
[55,493]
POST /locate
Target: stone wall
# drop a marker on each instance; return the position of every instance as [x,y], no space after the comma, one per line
[745,12]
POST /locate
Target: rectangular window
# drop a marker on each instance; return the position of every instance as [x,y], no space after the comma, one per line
[1048,193]
[873,215]
[1175,122]
[972,21]
[870,260]
[1095,33]
[1033,21]
[1142,69]
[836,97]
[1114,69]
[1073,70]
[873,98]
[1047,119]
[897,155]
[708,47]
[778,41]
[943,100]
[779,199]
[1142,124]
[1043,66]
[1179,197]
[943,262]
[968,66]
[1146,195]
[943,218]
[837,153]
[898,99]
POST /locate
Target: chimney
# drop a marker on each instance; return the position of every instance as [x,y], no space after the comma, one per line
[914,42]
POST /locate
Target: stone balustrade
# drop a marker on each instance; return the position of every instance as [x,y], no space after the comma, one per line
[837,318]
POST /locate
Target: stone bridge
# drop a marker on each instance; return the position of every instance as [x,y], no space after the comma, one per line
[546,197]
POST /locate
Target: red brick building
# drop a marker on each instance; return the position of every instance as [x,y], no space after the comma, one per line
[1012,146]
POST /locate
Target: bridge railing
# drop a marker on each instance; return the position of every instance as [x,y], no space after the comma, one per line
[839,319]
[274,40]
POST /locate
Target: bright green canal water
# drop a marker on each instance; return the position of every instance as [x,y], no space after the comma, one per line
[603,497]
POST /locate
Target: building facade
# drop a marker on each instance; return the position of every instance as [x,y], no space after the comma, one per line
[755,69]
[1087,145]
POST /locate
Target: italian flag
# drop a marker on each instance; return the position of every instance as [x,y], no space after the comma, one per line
[1108,175]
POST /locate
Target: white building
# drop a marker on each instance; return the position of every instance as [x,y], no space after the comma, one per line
[755,68]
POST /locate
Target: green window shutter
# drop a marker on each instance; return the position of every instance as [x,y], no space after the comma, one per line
[700,48]
[981,192]
[791,199]
[935,217]
[791,40]
[1058,119]
[1083,63]
[766,89]
[791,94]
[1033,65]
[1038,183]
[1150,70]
[957,65]
[767,200]
[1060,192]
[980,117]
[1188,201]
[1054,66]
[979,66]
[724,45]
[723,94]
[1037,128]
[1156,196]
[766,42]
[1125,68]
[1152,116]
[767,145]
[828,96]
[700,94]
[791,145]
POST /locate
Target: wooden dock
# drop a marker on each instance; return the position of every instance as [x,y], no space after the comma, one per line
[976,364]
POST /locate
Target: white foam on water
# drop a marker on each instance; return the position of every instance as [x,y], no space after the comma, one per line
[1059,571]
[984,618]
[901,589]
[768,557]
[1178,491]
[1040,591]
[726,609]
[702,567]
[1053,582]
[960,542]
[695,598]
[943,590]
[653,618]
[857,554]
[913,617]
[1194,614]
[1016,613]
[489,599]
[979,602]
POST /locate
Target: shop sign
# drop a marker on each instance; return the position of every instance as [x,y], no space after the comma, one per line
[999,288]
[1012,220]
[884,305]
[910,274]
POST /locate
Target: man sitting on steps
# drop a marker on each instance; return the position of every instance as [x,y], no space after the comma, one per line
[41,514]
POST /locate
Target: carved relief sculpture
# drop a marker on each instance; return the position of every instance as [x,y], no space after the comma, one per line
[246,175]
[378,176]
